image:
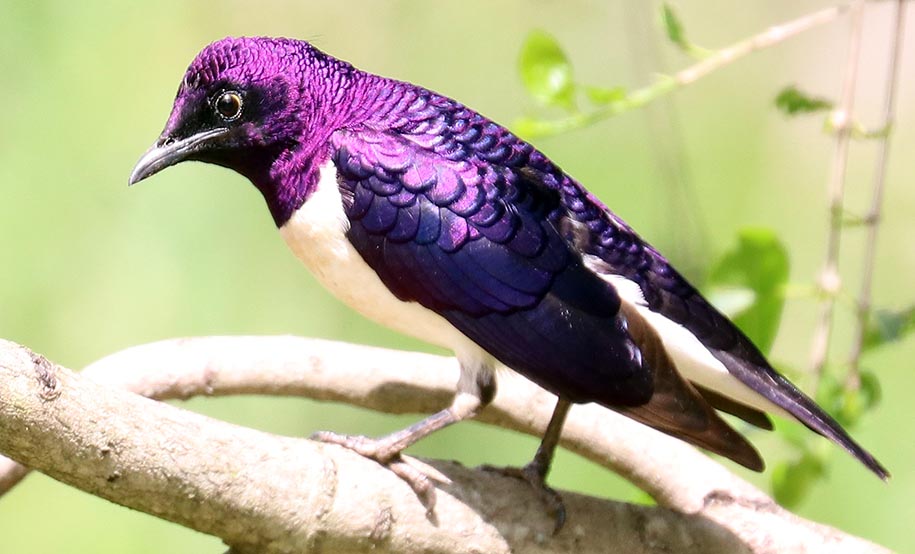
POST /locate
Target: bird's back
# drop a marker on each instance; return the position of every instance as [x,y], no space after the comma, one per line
[533,267]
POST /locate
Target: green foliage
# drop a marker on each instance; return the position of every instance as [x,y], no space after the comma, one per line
[546,70]
[673,27]
[848,403]
[748,284]
[601,96]
[792,101]
[547,75]
[887,326]
[528,127]
[792,481]
[676,32]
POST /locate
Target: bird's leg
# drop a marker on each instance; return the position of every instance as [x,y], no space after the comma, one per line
[476,388]
[536,471]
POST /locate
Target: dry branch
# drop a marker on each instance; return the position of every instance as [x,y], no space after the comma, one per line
[265,493]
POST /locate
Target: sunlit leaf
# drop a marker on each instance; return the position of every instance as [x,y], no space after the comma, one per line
[602,96]
[851,407]
[676,33]
[731,300]
[885,326]
[530,127]
[792,101]
[546,71]
[759,264]
[871,392]
[673,27]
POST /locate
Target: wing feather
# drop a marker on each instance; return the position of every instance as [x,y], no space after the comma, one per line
[454,212]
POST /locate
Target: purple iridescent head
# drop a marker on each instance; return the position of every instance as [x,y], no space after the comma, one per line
[253,105]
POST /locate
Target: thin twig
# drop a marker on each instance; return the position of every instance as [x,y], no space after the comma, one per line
[872,219]
[829,279]
[666,84]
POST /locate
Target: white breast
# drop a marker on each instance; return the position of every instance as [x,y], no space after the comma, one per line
[316,235]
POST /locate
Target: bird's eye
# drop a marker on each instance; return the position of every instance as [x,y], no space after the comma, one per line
[228,105]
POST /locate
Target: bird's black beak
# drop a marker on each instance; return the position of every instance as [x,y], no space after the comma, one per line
[168,151]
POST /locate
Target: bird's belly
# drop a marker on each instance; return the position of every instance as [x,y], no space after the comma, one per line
[316,234]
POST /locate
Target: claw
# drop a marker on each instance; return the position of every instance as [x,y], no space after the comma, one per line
[534,476]
[535,472]
[420,483]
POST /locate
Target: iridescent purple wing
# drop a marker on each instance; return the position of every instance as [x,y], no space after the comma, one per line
[478,242]
[454,212]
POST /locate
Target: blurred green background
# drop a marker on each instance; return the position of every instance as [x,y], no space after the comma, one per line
[90,266]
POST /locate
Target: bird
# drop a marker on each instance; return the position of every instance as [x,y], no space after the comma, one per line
[431,219]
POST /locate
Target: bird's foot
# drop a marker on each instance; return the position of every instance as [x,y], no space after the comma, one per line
[386,454]
[535,475]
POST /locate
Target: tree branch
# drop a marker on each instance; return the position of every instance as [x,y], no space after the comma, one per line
[271,494]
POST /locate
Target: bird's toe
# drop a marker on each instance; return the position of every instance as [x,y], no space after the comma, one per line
[386,454]
[535,476]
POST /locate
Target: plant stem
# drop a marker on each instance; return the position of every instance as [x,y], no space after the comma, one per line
[666,84]
[829,279]
[872,219]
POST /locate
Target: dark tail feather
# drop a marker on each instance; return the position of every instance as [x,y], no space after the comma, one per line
[752,416]
[677,408]
[781,392]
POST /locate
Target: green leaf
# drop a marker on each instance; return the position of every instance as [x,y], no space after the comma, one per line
[793,101]
[730,300]
[871,393]
[677,33]
[828,392]
[845,404]
[886,326]
[546,71]
[673,27]
[791,481]
[757,265]
[601,96]
[851,407]
[528,127]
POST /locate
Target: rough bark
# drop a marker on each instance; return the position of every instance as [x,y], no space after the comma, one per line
[263,493]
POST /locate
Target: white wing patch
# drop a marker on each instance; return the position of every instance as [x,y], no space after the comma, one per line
[691,358]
